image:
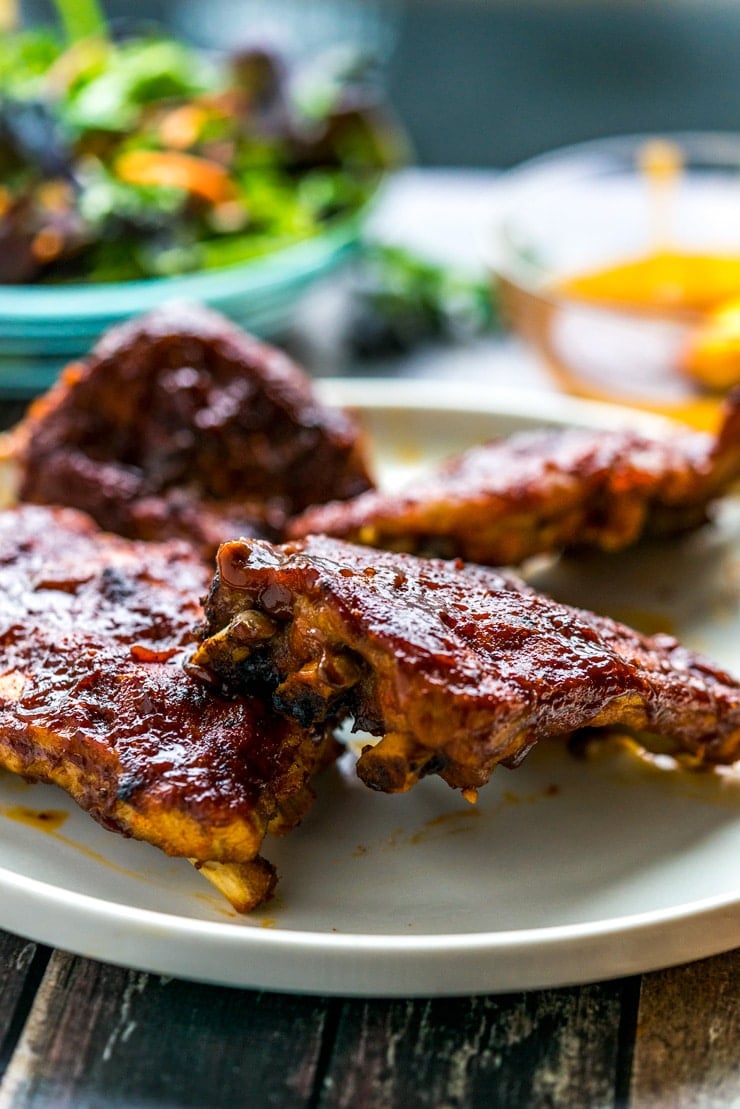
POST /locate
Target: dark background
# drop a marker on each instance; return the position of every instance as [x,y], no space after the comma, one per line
[488,82]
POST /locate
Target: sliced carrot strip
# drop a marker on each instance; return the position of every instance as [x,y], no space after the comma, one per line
[172,168]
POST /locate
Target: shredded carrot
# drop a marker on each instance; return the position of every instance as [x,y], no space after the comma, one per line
[198,176]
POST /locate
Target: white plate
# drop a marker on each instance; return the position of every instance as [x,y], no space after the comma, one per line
[566,871]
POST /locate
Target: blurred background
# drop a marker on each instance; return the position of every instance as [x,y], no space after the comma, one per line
[489,82]
[480,86]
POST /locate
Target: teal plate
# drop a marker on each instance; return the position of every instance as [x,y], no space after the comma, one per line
[43,327]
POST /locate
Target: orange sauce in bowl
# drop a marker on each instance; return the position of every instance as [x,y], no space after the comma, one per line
[701,289]
[696,292]
[665,282]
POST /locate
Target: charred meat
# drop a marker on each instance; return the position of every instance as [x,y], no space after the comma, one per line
[94,698]
[543,491]
[457,668]
[181,425]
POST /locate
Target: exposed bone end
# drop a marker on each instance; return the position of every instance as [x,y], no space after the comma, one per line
[395,763]
[244,885]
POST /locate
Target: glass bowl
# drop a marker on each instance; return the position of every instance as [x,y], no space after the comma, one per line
[44,327]
[569,218]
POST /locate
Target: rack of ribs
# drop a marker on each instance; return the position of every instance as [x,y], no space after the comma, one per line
[179,424]
[539,492]
[457,667]
[94,698]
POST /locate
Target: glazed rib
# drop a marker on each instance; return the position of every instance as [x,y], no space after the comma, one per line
[179,424]
[457,668]
[542,491]
[93,698]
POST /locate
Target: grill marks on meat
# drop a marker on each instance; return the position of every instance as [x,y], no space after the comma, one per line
[457,667]
[541,491]
[179,424]
[93,698]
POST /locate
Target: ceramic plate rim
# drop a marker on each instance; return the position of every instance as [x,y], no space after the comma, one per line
[348,963]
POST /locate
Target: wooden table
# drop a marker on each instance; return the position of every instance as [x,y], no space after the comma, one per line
[79,1033]
[74,1032]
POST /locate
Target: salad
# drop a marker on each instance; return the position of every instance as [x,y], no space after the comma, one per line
[124,158]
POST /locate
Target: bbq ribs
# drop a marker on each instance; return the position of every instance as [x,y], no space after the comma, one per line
[94,698]
[178,424]
[457,667]
[543,491]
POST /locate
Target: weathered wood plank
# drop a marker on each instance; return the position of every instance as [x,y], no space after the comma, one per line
[553,1048]
[21,963]
[687,1049]
[99,1035]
